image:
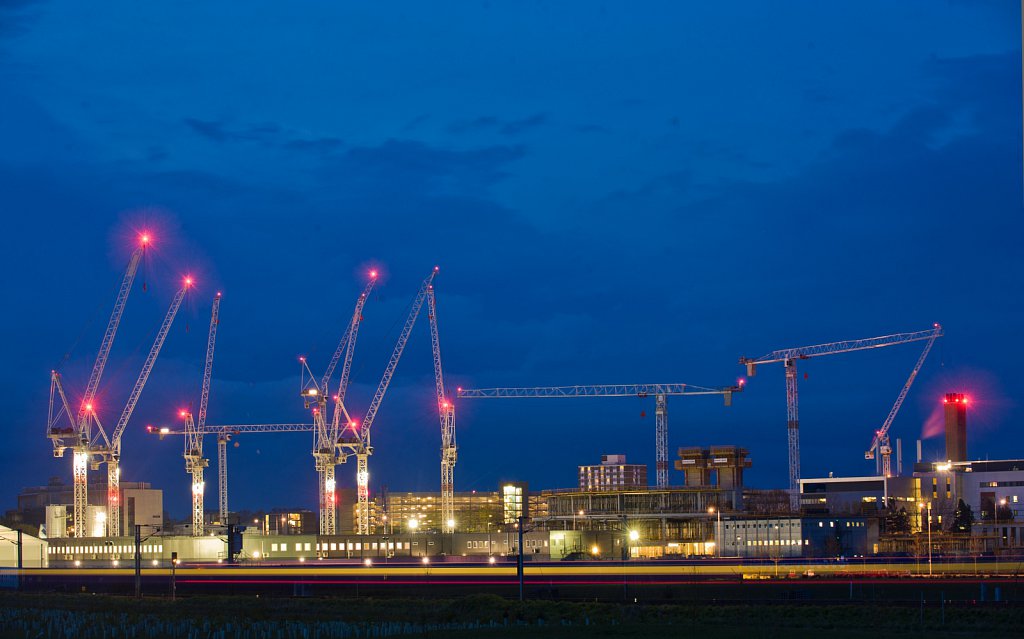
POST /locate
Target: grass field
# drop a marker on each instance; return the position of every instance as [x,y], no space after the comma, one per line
[213,617]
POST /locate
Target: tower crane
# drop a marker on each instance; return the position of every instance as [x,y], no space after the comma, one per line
[195,463]
[661,393]
[110,451]
[224,434]
[358,443]
[880,442]
[81,425]
[789,357]
[446,413]
[314,393]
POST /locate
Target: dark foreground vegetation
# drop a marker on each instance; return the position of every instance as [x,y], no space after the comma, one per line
[87,616]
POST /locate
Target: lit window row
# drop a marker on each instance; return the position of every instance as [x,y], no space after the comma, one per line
[114,549]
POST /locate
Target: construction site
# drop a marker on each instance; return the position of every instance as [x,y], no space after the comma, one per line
[698,505]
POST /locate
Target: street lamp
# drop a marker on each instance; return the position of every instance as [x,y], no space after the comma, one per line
[413,525]
[1002,502]
[634,535]
[922,506]
[711,511]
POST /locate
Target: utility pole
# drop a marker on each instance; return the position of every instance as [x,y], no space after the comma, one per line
[138,561]
[519,557]
[20,557]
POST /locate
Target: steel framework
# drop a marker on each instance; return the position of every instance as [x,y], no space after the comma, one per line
[446,414]
[195,461]
[789,357]
[359,444]
[111,452]
[880,442]
[659,391]
[84,422]
[325,437]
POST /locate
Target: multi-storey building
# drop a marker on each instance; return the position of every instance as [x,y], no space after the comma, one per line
[613,473]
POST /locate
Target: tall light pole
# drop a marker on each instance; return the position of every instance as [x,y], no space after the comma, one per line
[451,533]
[1002,503]
[413,525]
[711,511]
[922,506]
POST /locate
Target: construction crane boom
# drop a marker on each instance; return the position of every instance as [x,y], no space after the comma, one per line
[345,345]
[147,367]
[237,429]
[789,357]
[111,453]
[115,320]
[835,348]
[599,390]
[446,414]
[660,392]
[211,341]
[880,442]
[396,354]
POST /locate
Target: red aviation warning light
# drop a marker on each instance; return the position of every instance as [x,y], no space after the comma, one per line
[188,281]
[373,274]
[144,239]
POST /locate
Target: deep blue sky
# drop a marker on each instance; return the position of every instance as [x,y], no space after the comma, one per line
[614,193]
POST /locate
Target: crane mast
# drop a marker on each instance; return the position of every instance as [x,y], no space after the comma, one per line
[661,393]
[195,462]
[446,413]
[79,435]
[880,442]
[789,356]
[111,454]
[360,444]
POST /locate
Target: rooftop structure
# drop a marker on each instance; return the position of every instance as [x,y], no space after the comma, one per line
[613,473]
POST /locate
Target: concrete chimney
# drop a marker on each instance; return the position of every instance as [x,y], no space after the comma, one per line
[955,408]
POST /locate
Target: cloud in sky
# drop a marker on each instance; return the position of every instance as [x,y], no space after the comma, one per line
[633,206]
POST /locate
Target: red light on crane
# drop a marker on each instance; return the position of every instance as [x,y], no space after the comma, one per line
[188,280]
[88,408]
[181,413]
[373,274]
[144,239]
